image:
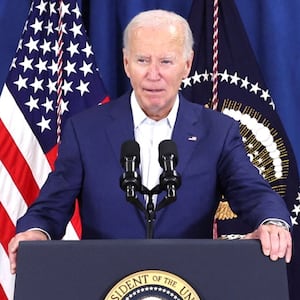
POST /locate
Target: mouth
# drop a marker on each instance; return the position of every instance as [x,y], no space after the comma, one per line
[153,91]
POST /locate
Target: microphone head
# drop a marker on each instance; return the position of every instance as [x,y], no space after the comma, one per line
[130,148]
[167,148]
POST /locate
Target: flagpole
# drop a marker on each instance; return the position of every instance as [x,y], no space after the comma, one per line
[215,99]
[59,71]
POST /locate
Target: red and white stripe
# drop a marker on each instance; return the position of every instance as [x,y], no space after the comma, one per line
[23,170]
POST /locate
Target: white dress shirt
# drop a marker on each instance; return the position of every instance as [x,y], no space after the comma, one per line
[149,133]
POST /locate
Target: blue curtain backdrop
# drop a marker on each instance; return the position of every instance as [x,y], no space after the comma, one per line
[272,27]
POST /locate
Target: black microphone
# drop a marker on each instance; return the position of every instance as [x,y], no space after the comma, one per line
[170,180]
[130,181]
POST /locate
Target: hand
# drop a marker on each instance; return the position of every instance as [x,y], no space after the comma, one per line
[276,241]
[30,235]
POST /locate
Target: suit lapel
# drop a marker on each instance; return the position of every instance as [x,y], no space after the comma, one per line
[187,131]
[120,128]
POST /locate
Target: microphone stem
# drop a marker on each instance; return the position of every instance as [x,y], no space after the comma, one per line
[150,214]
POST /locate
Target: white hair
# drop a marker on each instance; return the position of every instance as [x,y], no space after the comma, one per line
[157,18]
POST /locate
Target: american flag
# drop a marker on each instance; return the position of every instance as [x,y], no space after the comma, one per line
[53,76]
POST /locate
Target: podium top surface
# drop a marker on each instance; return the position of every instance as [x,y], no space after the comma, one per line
[90,269]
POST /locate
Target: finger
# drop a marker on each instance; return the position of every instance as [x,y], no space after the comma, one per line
[12,253]
[275,243]
[263,235]
[285,247]
[265,241]
[289,253]
[281,243]
[13,264]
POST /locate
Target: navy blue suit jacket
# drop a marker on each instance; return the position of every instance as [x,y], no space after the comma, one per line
[212,161]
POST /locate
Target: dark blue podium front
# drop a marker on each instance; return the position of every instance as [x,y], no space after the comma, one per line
[90,269]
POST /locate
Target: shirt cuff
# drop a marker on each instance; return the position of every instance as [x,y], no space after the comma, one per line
[277,222]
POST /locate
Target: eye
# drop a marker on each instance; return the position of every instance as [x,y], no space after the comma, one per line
[142,60]
[166,61]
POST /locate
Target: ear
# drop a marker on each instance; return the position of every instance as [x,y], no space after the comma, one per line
[125,62]
[188,64]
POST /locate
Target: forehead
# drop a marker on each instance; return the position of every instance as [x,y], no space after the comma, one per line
[167,37]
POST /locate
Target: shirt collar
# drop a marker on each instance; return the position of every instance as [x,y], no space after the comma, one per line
[139,116]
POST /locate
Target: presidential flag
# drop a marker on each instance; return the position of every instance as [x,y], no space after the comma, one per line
[52,77]
[225,76]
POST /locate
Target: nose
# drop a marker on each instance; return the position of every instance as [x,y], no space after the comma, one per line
[153,72]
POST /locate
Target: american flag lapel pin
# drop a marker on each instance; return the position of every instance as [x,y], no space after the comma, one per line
[192,138]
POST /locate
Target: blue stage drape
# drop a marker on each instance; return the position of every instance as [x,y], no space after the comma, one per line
[272,27]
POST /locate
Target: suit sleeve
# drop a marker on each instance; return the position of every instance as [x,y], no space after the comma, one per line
[248,193]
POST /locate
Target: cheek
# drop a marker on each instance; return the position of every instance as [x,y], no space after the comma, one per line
[135,76]
[134,73]
[135,79]
[176,79]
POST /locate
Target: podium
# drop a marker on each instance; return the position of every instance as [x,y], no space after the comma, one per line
[148,269]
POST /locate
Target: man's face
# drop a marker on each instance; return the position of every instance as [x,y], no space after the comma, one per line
[156,64]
